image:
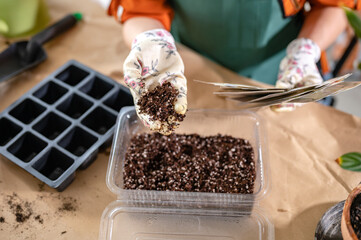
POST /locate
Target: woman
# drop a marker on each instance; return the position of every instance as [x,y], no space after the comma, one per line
[272,41]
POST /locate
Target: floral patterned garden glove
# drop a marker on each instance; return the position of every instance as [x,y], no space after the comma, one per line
[152,61]
[298,68]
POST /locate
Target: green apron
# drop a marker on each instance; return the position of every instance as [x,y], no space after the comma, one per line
[246,36]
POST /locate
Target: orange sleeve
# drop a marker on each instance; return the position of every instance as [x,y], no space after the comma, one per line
[292,7]
[157,9]
[355,4]
[324,63]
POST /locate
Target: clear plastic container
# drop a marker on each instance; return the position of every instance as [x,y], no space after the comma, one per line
[166,215]
[135,223]
[241,124]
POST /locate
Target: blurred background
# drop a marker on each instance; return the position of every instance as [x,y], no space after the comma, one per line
[348,101]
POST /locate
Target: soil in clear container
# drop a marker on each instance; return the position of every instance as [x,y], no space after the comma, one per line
[189,162]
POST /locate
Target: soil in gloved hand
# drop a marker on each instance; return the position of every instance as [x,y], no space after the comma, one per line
[159,105]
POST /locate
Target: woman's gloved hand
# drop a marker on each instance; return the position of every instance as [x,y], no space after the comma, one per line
[298,69]
[152,61]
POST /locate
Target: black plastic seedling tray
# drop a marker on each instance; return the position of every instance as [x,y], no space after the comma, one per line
[62,123]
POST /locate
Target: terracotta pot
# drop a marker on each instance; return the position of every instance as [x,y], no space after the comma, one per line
[346,227]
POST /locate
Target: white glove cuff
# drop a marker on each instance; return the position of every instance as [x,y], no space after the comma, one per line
[154,35]
[304,48]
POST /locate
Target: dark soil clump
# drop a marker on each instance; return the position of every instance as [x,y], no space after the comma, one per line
[67,207]
[22,210]
[41,186]
[191,163]
[39,219]
[68,204]
[355,215]
[159,105]
[25,213]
